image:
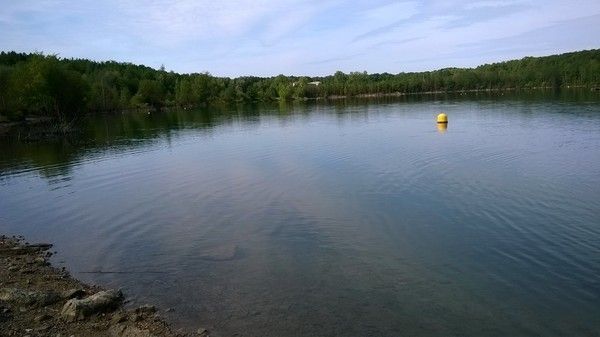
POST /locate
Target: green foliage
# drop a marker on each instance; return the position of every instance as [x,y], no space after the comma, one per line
[5,75]
[48,85]
[150,92]
[43,85]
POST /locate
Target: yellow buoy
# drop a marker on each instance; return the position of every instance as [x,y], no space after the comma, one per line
[442,118]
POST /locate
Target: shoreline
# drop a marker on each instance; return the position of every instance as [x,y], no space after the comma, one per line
[37,299]
[36,128]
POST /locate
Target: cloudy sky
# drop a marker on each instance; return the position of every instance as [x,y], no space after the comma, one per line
[269,37]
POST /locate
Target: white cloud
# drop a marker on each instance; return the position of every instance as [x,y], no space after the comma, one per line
[392,12]
[266,37]
[493,4]
[168,23]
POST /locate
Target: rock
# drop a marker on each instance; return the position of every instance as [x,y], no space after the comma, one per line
[43,328]
[119,317]
[13,268]
[104,301]
[73,293]
[25,249]
[20,296]
[48,298]
[42,317]
[99,326]
[39,246]
[225,252]
[202,332]
[40,261]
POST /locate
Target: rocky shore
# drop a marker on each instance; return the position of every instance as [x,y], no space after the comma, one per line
[37,299]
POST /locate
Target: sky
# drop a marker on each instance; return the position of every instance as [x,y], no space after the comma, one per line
[293,37]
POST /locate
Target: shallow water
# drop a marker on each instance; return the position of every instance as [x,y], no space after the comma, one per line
[350,219]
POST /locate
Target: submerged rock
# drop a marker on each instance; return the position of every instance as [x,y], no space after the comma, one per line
[32,295]
[100,302]
[220,253]
[39,246]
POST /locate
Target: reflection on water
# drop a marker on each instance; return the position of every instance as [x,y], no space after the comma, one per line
[342,218]
[442,127]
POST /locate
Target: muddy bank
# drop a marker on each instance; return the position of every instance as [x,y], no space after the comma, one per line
[37,299]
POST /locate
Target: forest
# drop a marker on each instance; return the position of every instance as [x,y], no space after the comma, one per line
[47,85]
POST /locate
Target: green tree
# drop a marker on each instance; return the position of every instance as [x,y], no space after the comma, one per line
[150,92]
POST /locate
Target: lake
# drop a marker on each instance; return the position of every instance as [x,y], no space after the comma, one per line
[347,218]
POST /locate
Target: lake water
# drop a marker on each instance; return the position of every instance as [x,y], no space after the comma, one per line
[324,219]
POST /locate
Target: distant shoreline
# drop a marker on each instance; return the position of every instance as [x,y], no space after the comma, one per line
[45,127]
[441,92]
[34,84]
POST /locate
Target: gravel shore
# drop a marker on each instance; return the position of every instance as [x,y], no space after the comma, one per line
[37,299]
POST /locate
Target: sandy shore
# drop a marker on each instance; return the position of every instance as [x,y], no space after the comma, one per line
[37,299]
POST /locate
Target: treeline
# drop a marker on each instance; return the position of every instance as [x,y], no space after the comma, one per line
[37,84]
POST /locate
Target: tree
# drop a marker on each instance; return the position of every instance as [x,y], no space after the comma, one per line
[5,73]
[47,85]
[150,92]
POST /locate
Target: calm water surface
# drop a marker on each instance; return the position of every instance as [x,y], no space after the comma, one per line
[348,219]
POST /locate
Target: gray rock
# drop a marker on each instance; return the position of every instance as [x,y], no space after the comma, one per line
[104,301]
[42,317]
[202,332]
[26,249]
[40,261]
[42,328]
[119,317]
[40,246]
[73,293]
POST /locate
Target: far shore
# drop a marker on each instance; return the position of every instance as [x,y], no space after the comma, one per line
[54,127]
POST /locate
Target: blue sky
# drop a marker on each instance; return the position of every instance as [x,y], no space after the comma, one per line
[268,37]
